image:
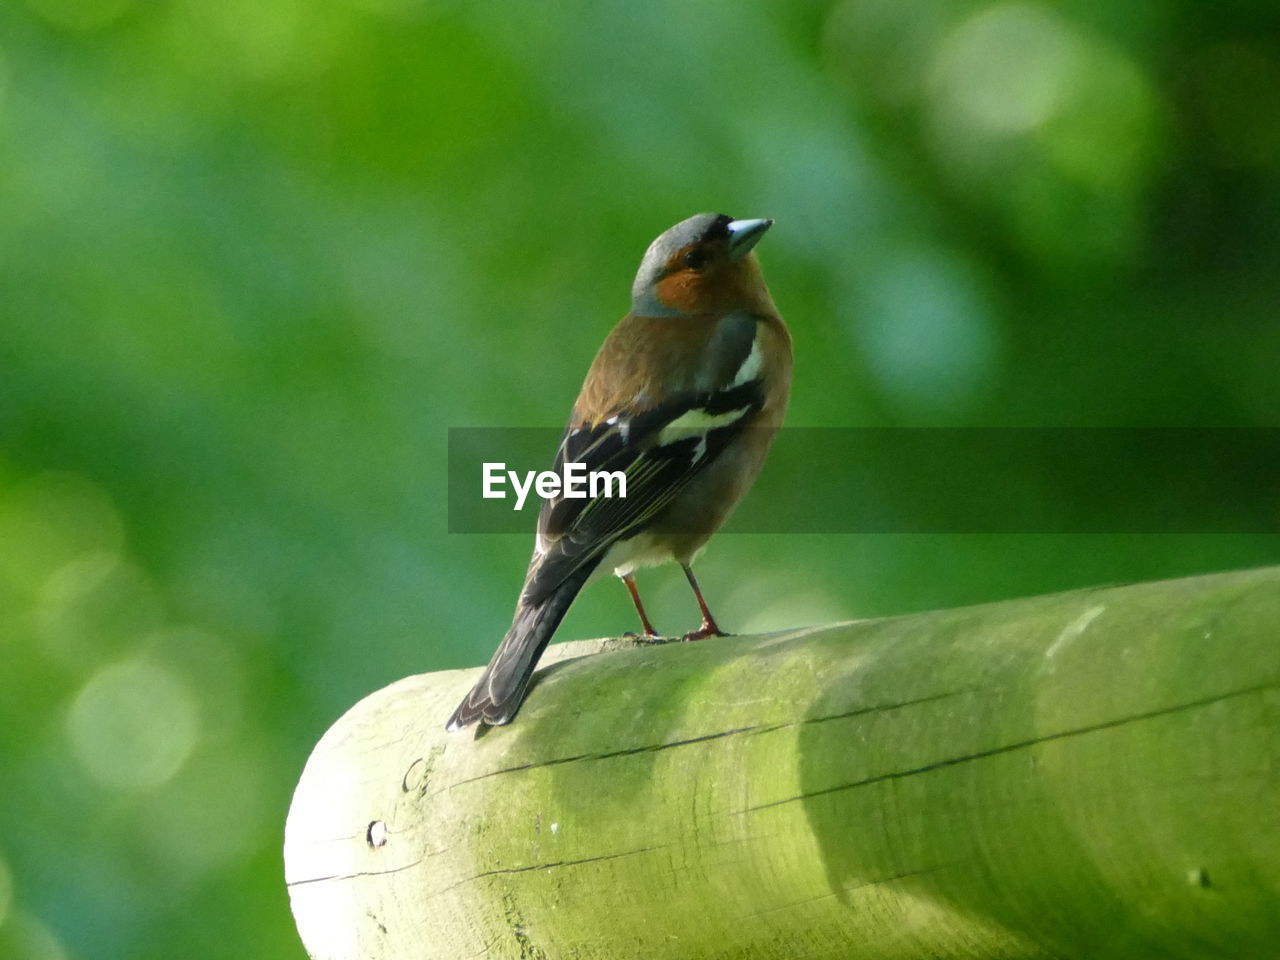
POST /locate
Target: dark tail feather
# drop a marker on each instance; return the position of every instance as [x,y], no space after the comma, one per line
[498,694]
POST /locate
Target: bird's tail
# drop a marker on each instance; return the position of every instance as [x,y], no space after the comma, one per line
[501,688]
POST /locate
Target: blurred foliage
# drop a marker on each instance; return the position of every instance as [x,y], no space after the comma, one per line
[256,256]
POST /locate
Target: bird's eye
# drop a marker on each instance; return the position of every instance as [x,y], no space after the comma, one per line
[695,259]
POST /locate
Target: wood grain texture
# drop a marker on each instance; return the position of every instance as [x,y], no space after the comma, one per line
[1089,775]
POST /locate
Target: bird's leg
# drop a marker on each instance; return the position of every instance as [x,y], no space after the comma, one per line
[709,627]
[630,581]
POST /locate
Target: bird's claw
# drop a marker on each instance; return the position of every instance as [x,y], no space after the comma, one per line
[702,633]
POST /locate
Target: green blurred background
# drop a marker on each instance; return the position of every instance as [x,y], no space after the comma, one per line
[256,256]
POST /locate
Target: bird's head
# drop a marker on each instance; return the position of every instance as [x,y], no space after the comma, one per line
[702,265]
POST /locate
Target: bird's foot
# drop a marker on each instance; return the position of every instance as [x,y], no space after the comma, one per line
[704,631]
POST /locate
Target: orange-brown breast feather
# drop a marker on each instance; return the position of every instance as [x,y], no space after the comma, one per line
[725,287]
[646,359]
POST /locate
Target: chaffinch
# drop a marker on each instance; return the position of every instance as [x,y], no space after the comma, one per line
[684,396]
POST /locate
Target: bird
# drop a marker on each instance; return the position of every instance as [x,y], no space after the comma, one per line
[685,397]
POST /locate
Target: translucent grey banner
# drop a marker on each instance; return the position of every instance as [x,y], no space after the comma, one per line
[922,480]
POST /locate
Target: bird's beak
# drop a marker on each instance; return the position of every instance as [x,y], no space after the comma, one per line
[745,234]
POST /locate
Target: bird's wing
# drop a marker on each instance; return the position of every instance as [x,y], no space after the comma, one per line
[659,450]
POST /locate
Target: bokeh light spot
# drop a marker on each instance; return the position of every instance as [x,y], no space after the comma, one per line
[133,725]
[1049,123]
[1111,102]
[1007,68]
